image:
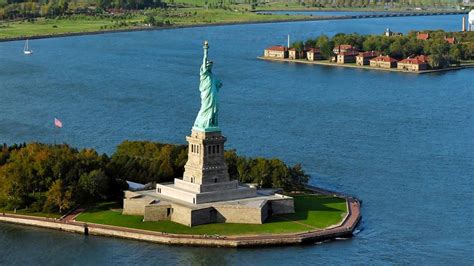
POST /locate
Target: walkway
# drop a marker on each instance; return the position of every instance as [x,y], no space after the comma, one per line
[72,215]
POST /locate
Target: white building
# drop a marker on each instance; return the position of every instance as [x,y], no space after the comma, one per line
[471,20]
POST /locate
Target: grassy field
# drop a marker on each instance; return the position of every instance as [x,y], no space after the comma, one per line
[467,62]
[311,212]
[176,17]
[30,213]
[56,26]
[187,16]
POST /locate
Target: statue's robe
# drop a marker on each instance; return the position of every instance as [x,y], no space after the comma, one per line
[209,87]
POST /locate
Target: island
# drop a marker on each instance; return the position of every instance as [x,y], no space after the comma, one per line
[194,194]
[417,52]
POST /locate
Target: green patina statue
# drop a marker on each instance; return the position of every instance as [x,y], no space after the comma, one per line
[209,86]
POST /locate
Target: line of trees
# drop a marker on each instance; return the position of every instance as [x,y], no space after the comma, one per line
[364,3]
[12,9]
[55,178]
[266,173]
[436,47]
[145,162]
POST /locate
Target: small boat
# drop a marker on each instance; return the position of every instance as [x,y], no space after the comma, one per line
[27,49]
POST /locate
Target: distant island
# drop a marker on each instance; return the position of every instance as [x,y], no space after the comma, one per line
[416,52]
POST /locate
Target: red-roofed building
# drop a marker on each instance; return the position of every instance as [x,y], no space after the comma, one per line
[313,54]
[364,58]
[413,64]
[451,40]
[383,61]
[343,48]
[346,57]
[293,54]
[277,51]
[422,36]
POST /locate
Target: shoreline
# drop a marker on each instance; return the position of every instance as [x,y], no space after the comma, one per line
[329,64]
[342,230]
[349,10]
[303,19]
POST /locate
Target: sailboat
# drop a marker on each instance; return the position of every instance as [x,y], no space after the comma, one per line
[27,49]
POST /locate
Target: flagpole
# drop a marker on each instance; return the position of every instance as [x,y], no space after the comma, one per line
[58,125]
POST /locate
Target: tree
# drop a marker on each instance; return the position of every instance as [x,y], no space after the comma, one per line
[104,4]
[370,43]
[455,54]
[231,160]
[280,174]
[150,19]
[261,172]
[59,196]
[93,186]
[298,45]
[325,46]
[298,177]
[438,61]
[396,49]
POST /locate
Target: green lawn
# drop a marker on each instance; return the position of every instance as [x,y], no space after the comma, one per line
[467,62]
[177,17]
[311,212]
[55,26]
[30,213]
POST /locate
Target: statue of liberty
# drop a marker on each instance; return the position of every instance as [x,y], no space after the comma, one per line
[209,86]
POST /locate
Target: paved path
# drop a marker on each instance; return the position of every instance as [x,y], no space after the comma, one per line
[72,215]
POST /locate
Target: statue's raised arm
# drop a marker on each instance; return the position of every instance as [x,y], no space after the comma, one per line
[204,59]
[206,119]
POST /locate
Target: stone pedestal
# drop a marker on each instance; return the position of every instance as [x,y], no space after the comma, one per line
[206,163]
[206,177]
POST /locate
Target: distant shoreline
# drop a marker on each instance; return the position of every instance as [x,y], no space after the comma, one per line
[316,18]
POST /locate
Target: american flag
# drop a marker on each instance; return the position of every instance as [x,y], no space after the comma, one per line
[58,123]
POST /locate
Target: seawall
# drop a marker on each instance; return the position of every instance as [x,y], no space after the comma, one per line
[42,222]
[366,67]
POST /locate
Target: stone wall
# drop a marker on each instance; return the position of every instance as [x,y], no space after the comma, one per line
[135,206]
[161,212]
[239,214]
[220,186]
[184,195]
[181,215]
[197,188]
[240,193]
[44,223]
[173,192]
[204,216]
[282,206]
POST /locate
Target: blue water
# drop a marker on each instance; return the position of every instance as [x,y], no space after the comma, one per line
[402,143]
